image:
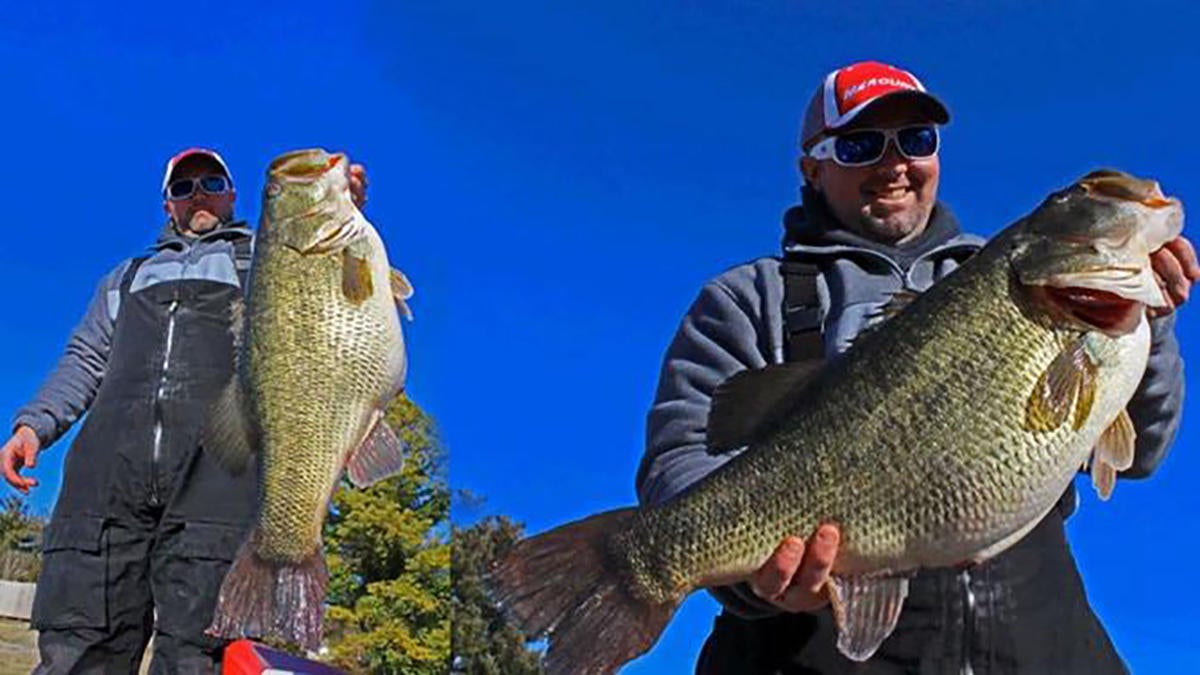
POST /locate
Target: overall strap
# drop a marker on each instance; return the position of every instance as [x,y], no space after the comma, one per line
[130,273]
[803,316]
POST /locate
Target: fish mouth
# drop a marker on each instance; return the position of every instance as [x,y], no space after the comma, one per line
[1119,186]
[1111,299]
[1108,312]
[305,165]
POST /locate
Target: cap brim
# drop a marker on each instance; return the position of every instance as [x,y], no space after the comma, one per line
[933,109]
[194,155]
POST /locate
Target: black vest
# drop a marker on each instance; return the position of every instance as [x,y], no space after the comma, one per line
[172,352]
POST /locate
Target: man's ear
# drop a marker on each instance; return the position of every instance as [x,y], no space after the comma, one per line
[810,169]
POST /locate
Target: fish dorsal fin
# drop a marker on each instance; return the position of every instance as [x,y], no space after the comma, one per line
[228,435]
[748,403]
[379,455]
[1113,453]
[896,304]
[866,610]
[402,290]
[900,300]
[1067,385]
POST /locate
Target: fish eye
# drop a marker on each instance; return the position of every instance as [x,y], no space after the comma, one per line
[273,189]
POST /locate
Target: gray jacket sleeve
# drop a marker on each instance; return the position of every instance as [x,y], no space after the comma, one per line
[1157,406]
[719,336]
[70,388]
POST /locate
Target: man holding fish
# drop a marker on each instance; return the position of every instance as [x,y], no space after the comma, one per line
[870,226]
[147,523]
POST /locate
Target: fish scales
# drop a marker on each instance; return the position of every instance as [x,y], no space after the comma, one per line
[310,417]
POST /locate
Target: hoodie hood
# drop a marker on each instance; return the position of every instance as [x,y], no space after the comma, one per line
[811,226]
[169,237]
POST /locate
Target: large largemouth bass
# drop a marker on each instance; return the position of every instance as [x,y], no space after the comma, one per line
[320,356]
[939,439]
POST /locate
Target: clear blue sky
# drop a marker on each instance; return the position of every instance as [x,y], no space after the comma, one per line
[559,181]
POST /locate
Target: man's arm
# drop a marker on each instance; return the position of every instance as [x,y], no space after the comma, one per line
[721,335]
[1157,406]
[70,388]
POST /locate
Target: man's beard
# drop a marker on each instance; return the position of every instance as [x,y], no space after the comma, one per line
[200,221]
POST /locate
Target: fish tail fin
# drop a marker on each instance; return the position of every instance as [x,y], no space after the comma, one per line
[260,597]
[561,584]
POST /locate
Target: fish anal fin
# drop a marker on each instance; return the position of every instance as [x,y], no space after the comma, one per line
[357,285]
[402,290]
[746,404]
[1113,453]
[1068,384]
[229,436]
[378,456]
[866,610]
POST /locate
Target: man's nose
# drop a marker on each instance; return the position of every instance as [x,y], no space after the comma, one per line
[892,163]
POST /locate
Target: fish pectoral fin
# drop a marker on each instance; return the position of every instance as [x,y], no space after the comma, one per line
[866,610]
[402,290]
[748,403]
[229,436]
[1067,385]
[1113,453]
[378,456]
[357,285]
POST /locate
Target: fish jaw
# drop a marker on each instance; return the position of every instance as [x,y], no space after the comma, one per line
[1084,255]
[307,203]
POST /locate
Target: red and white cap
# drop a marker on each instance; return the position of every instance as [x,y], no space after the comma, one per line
[192,152]
[846,92]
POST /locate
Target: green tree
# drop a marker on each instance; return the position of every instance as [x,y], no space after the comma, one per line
[484,643]
[388,551]
[20,534]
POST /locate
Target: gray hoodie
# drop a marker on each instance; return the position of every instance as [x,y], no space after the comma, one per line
[737,323]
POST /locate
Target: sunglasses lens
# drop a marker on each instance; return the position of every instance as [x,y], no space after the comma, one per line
[859,147]
[214,184]
[181,189]
[918,141]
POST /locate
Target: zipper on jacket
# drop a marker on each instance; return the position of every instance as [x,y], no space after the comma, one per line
[968,597]
[159,394]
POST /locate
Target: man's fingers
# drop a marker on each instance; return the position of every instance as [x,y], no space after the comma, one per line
[9,464]
[807,590]
[1169,269]
[773,578]
[1186,254]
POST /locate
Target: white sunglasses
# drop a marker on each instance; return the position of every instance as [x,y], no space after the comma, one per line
[862,147]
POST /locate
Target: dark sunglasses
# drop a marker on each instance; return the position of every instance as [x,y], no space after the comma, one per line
[867,146]
[184,188]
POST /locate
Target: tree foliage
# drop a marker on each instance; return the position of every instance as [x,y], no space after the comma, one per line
[388,551]
[20,534]
[484,643]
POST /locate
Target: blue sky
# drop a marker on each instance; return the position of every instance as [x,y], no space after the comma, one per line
[559,179]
